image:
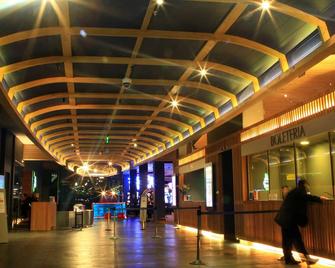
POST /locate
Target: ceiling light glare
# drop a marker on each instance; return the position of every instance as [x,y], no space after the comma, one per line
[135,145]
[174,103]
[72,144]
[110,163]
[159,2]
[95,170]
[304,142]
[86,167]
[265,5]
[83,33]
[103,193]
[203,72]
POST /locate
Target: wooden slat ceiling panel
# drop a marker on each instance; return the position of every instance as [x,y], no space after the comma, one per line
[67,82]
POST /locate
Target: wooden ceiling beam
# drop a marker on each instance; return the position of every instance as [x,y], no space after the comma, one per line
[169,120]
[115,60]
[31,115]
[140,96]
[98,144]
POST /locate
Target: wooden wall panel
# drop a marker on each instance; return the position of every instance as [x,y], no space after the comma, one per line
[32,152]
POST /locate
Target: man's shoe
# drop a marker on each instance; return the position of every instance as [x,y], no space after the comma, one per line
[308,259]
[292,262]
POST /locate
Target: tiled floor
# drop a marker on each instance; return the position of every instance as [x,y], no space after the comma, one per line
[93,247]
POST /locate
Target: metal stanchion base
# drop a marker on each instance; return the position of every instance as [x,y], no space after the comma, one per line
[197,262]
[114,238]
[156,237]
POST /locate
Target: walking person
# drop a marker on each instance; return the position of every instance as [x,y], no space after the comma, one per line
[292,214]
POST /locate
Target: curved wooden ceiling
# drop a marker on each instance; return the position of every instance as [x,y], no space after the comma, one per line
[63,61]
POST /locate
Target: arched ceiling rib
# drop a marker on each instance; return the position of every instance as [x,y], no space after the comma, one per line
[145,109]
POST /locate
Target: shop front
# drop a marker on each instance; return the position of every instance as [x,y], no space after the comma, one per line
[275,162]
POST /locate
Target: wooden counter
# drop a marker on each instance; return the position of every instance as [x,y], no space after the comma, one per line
[43,216]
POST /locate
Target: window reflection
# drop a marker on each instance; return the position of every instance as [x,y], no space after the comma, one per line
[282,171]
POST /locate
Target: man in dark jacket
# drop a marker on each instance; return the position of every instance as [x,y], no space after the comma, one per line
[292,214]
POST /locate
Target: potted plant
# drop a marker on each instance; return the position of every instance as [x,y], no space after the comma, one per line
[184,190]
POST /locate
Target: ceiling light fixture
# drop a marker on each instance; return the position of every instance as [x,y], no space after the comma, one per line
[304,142]
[72,144]
[265,5]
[159,2]
[103,193]
[95,170]
[174,103]
[110,163]
[86,167]
[83,33]
[135,145]
[203,72]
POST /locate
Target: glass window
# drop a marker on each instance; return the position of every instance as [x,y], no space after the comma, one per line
[314,164]
[259,184]
[282,171]
[196,182]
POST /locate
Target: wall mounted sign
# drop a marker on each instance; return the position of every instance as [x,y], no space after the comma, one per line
[209,184]
[288,135]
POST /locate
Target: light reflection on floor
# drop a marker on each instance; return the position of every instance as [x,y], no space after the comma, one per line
[93,247]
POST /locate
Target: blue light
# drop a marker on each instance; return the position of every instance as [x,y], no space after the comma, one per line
[150,184]
[137,182]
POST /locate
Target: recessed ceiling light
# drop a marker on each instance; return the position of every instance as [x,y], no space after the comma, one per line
[135,145]
[103,193]
[174,103]
[203,72]
[72,144]
[86,167]
[83,33]
[265,5]
[285,95]
[159,2]
[110,163]
[304,142]
[95,170]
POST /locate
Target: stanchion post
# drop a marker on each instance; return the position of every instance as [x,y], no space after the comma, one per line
[156,227]
[108,229]
[198,261]
[114,237]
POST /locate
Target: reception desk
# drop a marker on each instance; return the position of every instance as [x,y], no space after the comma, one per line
[43,216]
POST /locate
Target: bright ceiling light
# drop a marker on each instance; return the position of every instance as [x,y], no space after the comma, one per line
[72,144]
[203,72]
[86,167]
[95,170]
[103,193]
[135,145]
[83,33]
[110,163]
[265,5]
[113,193]
[174,103]
[159,2]
[304,142]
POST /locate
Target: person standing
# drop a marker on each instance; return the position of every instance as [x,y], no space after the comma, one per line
[291,216]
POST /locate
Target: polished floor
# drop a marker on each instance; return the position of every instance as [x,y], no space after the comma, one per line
[92,247]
